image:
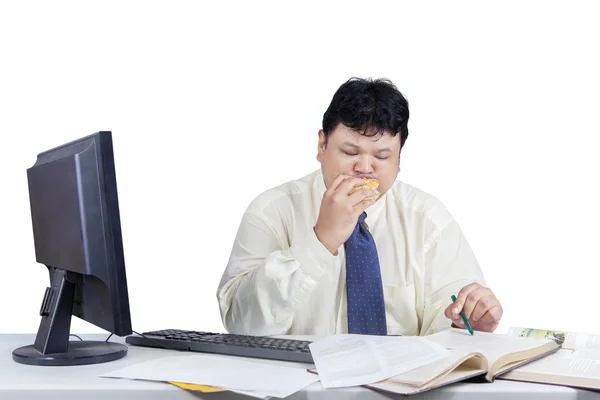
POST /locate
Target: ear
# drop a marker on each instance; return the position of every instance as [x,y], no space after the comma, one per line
[322,146]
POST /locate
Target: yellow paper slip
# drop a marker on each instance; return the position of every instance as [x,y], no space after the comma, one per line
[197,388]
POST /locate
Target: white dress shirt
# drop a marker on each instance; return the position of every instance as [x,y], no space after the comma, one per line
[280,279]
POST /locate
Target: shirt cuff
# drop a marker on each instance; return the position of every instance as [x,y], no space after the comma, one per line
[312,256]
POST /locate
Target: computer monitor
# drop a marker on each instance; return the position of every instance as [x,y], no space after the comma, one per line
[77,236]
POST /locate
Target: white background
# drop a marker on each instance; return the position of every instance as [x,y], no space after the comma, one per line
[211,103]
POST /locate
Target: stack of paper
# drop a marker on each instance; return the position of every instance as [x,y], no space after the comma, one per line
[352,360]
[253,377]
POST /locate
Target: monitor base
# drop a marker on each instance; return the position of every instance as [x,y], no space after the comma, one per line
[78,353]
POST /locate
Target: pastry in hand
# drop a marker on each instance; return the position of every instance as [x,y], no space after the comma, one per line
[369,184]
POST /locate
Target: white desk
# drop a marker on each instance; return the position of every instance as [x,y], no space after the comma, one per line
[26,382]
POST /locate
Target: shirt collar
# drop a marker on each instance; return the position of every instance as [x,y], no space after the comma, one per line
[375,209]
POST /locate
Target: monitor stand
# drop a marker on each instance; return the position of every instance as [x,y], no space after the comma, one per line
[52,346]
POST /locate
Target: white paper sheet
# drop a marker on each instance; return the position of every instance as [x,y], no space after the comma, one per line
[350,360]
[262,377]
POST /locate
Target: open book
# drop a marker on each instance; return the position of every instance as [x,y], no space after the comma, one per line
[484,355]
[576,364]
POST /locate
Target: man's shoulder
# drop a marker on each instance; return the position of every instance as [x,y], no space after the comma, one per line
[287,193]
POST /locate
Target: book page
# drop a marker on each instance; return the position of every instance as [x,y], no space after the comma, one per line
[456,375]
[567,340]
[492,345]
[579,363]
[434,371]
[352,360]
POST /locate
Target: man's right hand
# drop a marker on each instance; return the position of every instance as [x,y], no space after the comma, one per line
[340,211]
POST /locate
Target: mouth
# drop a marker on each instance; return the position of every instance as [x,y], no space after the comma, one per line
[366,176]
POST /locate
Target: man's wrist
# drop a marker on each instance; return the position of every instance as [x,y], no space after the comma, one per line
[333,250]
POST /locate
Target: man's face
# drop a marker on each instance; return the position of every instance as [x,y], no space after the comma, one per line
[347,152]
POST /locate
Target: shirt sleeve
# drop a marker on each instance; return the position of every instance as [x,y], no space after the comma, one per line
[266,280]
[450,265]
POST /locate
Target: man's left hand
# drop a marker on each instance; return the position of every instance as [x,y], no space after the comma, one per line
[481,308]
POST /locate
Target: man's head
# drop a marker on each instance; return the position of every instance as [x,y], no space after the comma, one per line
[364,129]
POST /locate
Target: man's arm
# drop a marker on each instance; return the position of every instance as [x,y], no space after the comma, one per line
[265,282]
[450,265]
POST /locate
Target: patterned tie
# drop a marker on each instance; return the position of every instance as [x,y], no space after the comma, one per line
[366,308]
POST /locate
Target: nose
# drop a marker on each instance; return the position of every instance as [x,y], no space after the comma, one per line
[364,164]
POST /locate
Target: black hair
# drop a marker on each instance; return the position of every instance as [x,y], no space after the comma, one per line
[370,107]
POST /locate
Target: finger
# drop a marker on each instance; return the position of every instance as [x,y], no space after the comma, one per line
[492,316]
[461,298]
[449,313]
[458,323]
[348,184]
[337,181]
[363,205]
[473,298]
[484,304]
[340,194]
[363,194]
[453,312]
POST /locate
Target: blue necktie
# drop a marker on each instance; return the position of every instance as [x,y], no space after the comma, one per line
[366,307]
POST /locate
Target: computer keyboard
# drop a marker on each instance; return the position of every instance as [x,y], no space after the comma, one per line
[224,343]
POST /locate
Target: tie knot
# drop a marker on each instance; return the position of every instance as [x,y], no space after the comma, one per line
[361,217]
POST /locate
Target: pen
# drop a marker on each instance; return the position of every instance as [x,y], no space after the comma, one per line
[464,317]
